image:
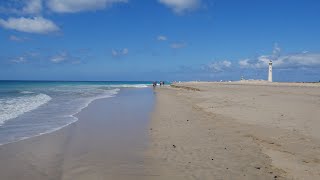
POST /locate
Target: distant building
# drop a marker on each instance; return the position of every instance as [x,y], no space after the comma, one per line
[270,71]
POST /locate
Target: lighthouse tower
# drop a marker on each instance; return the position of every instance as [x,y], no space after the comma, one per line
[270,71]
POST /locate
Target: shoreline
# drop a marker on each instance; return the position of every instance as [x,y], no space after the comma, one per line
[74,115]
[59,154]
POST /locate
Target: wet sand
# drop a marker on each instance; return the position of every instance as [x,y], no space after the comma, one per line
[236,131]
[108,142]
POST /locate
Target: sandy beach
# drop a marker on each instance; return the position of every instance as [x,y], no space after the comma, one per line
[194,130]
[236,131]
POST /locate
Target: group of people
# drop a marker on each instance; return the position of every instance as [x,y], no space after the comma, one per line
[155,83]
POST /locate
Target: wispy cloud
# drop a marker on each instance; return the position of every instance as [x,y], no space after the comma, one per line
[58,58]
[35,7]
[20,59]
[162,38]
[289,61]
[47,57]
[22,7]
[72,6]
[32,20]
[181,6]
[38,25]
[218,66]
[259,62]
[32,7]
[287,67]
[69,57]
[178,45]
[18,39]
[119,53]
[33,54]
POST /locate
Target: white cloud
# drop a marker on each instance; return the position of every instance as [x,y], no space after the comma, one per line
[244,63]
[114,53]
[276,50]
[293,61]
[125,51]
[63,56]
[181,6]
[17,39]
[33,7]
[260,62]
[72,6]
[219,66]
[301,60]
[121,52]
[4,10]
[22,7]
[162,38]
[38,25]
[20,59]
[178,45]
[33,54]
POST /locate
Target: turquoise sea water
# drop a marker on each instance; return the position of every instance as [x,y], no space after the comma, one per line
[31,108]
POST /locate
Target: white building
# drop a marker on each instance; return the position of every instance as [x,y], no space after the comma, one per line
[270,71]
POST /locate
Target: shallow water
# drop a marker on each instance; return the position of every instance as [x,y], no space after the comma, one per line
[30,108]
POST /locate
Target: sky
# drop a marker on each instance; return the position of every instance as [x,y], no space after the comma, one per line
[110,40]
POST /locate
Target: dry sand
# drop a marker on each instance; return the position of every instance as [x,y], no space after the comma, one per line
[236,131]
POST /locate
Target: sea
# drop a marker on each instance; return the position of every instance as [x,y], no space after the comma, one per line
[32,108]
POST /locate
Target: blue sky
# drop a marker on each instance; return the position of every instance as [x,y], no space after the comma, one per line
[159,39]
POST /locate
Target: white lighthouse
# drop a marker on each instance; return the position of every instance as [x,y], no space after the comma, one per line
[270,71]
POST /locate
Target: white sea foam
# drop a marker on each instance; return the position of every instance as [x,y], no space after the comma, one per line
[13,107]
[72,118]
[107,94]
[26,116]
[130,86]
[26,92]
